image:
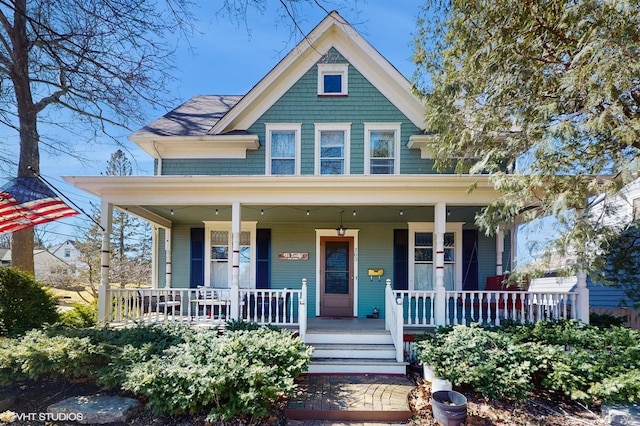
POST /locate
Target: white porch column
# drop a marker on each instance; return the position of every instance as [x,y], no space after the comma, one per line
[167,250]
[440,213]
[155,234]
[499,250]
[104,296]
[235,260]
[302,310]
[582,302]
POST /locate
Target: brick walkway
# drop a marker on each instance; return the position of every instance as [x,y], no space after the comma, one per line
[321,399]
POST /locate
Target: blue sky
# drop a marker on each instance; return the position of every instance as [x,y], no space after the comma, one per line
[229,58]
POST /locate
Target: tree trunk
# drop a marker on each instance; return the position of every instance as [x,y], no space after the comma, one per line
[22,241]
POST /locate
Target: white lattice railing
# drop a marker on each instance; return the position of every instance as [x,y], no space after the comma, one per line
[418,307]
[489,307]
[126,306]
[492,307]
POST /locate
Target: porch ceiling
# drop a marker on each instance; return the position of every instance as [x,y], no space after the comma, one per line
[390,190]
[328,216]
[167,200]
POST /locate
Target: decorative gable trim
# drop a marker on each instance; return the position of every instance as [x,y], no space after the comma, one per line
[334,32]
[209,146]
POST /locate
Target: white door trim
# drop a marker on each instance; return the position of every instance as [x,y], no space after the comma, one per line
[332,233]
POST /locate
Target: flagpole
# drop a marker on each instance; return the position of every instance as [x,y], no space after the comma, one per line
[39,176]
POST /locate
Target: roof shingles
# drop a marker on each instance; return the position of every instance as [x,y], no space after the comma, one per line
[195,117]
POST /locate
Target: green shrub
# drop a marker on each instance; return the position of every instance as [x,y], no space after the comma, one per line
[82,315]
[239,325]
[606,320]
[483,359]
[239,373]
[104,355]
[37,355]
[584,362]
[24,303]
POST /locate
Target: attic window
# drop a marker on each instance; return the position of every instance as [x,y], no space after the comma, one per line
[333,79]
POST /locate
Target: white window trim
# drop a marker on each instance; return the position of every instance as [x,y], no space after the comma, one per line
[456,228]
[275,127]
[346,128]
[250,227]
[333,69]
[368,127]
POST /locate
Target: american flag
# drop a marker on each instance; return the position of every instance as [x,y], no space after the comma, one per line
[26,202]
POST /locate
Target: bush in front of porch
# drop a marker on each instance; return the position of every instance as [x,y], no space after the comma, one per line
[177,369]
[583,362]
[242,373]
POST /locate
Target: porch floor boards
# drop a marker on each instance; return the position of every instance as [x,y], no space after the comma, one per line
[352,398]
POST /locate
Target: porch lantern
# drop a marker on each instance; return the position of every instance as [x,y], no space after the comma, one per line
[341,230]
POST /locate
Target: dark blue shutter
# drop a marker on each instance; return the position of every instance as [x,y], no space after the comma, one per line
[469,259]
[197,257]
[400,259]
[263,258]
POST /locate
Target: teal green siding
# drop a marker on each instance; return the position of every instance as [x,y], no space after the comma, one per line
[161,266]
[180,255]
[301,104]
[252,165]
[375,251]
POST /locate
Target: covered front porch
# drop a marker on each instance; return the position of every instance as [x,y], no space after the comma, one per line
[285,250]
[405,312]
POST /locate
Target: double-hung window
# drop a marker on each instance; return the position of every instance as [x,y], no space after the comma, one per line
[422,256]
[332,148]
[283,149]
[382,148]
[219,268]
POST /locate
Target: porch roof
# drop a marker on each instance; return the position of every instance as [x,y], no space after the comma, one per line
[294,190]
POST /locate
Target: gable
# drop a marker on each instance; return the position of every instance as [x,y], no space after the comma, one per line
[332,33]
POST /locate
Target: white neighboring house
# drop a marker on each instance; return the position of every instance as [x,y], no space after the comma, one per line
[48,269]
[70,254]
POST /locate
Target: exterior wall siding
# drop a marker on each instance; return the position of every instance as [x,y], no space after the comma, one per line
[161,266]
[375,251]
[301,104]
[180,256]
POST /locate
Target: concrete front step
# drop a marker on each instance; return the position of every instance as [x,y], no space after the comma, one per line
[356,366]
[381,337]
[341,350]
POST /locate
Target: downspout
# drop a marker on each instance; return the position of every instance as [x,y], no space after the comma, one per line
[159,165]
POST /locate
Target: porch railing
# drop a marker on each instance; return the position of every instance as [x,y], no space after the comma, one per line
[492,307]
[393,320]
[131,306]
[487,307]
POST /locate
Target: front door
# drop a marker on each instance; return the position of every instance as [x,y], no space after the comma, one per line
[336,276]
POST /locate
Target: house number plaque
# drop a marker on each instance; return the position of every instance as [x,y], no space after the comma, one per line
[285,255]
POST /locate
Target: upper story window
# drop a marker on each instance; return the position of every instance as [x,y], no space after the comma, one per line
[382,148]
[283,149]
[67,252]
[333,79]
[332,148]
